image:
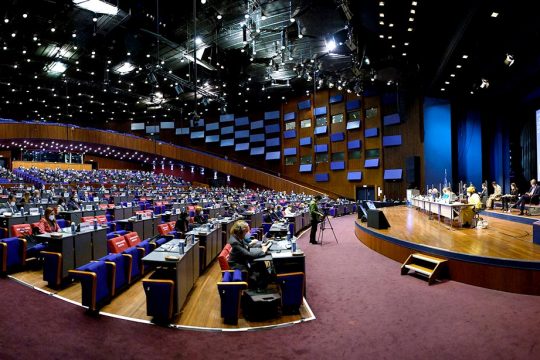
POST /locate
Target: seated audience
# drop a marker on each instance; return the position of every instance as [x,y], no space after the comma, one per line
[73,203]
[47,223]
[61,205]
[241,257]
[448,195]
[508,198]
[199,217]
[10,205]
[182,224]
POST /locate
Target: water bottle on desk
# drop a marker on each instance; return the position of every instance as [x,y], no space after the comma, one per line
[181,245]
[289,235]
[293,245]
[22,211]
[95,224]
[73,227]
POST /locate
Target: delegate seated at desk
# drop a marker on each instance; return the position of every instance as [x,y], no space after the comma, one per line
[240,256]
[47,223]
[467,213]
[10,205]
[199,217]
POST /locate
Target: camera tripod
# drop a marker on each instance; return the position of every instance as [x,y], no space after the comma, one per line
[323,226]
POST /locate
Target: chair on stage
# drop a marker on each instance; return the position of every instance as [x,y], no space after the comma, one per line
[292,291]
[97,283]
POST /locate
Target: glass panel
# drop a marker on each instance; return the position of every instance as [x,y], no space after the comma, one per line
[290,125]
[354,115]
[306,159]
[338,156]
[371,112]
[338,118]
[290,160]
[321,158]
[305,123]
[372,153]
[320,121]
[355,154]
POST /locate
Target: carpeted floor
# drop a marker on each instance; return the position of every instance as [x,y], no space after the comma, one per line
[364,308]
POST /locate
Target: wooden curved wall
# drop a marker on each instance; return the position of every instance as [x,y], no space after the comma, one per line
[25,131]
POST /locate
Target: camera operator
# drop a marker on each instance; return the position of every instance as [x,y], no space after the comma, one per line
[316,217]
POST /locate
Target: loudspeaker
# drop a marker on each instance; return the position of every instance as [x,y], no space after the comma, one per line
[376,219]
[412,170]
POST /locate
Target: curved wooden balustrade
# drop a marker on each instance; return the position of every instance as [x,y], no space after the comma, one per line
[38,131]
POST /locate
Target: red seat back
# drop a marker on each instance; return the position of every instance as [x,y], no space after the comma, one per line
[223,257]
[132,238]
[103,206]
[21,230]
[171,225]
[87,219]
[163,229]
[117,244]
[101,219]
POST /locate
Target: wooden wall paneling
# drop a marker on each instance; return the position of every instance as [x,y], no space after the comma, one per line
[50,165]
[410,130]
[373,176]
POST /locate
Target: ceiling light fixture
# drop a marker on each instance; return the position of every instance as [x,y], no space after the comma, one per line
[484,84]
[494,14]
[97,6]
[330,45]
[509,60]
[56,67]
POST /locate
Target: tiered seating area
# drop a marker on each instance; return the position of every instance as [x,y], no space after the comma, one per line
[111,209]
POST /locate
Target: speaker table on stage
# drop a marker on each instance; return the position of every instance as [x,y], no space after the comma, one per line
[376,219]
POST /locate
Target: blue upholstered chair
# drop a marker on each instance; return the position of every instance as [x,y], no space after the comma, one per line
[137,267]
[292,291]
[266,227]
[159,299]
[62,223]
[97,283]
[12,253]
[230,289]
[122,264]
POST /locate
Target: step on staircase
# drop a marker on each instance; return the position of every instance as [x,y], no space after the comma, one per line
[424,265]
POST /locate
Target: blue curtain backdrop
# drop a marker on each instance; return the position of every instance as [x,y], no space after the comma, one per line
[469,143]
[437,141]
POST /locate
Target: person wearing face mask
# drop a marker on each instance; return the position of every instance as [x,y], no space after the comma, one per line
[61,206]
[47,223]
[11,205]
[199,217]
[73,203]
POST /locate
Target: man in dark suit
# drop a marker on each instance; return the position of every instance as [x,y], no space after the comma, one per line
[528,197]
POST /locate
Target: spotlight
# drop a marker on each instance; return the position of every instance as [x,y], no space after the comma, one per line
[330,45]
[484,84]
[509,60]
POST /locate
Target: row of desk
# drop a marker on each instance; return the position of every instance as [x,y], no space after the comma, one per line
[450,211]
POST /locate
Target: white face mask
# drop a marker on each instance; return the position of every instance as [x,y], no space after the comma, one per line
[51,217]
[12,203]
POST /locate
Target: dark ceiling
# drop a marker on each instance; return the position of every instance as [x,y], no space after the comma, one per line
[252,52]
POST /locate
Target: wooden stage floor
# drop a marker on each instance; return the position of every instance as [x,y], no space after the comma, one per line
[502,256]
[201,311]
[501,239]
